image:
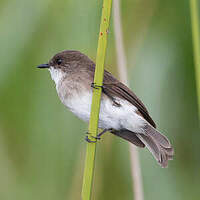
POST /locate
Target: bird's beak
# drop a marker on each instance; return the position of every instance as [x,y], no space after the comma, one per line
[42,66]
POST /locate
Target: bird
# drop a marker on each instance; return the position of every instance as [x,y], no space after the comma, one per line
[122,113]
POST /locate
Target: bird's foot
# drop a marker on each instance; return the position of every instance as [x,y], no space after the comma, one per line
[95,86]
[91,141]
[98,137]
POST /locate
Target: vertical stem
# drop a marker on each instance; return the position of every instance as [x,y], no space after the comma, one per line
[96,99]
[196,44]
[121,60]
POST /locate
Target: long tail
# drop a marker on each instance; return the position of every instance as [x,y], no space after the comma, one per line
[157,144]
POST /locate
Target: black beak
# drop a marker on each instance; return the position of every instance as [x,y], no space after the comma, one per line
[42,66]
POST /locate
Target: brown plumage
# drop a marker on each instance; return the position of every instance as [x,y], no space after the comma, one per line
[78,73]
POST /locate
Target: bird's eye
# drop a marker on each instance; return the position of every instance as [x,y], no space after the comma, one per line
[59,61]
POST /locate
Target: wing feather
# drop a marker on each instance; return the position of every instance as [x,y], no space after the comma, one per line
[114,88]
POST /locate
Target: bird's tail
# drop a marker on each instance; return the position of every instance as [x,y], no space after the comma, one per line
[129,136]
[157,144]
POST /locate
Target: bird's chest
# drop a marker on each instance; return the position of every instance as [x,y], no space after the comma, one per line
[78,102]
[80,105]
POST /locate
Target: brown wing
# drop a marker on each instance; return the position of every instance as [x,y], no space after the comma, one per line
[114,88]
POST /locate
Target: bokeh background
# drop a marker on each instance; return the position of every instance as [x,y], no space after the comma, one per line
[42,147]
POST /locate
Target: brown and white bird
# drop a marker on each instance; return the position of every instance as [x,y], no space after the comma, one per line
[121,112]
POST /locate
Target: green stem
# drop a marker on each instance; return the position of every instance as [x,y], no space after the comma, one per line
[96,99]
[196,44]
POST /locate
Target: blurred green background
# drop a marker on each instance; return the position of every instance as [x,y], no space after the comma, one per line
[42,147]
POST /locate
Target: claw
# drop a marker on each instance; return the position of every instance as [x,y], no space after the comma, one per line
[88,140]
[95,86]
[98,137]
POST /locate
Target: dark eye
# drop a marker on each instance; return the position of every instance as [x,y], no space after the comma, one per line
[59,61]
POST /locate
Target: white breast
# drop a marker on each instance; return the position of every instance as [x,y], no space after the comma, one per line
[80,105]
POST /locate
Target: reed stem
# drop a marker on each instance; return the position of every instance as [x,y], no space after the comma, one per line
[96,100]
[196,44]
[122,68]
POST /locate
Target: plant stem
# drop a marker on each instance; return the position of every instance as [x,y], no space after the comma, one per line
[196,44]
[121,63]
[96,100]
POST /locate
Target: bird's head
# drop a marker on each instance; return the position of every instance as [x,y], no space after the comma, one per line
[64,63]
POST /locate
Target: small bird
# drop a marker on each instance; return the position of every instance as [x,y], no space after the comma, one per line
[121,112]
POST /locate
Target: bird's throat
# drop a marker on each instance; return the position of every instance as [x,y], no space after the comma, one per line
[56,75]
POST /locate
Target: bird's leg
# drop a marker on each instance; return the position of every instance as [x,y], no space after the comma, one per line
[98,137]
[101,133]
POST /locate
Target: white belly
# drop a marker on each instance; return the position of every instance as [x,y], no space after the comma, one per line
[111,116]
